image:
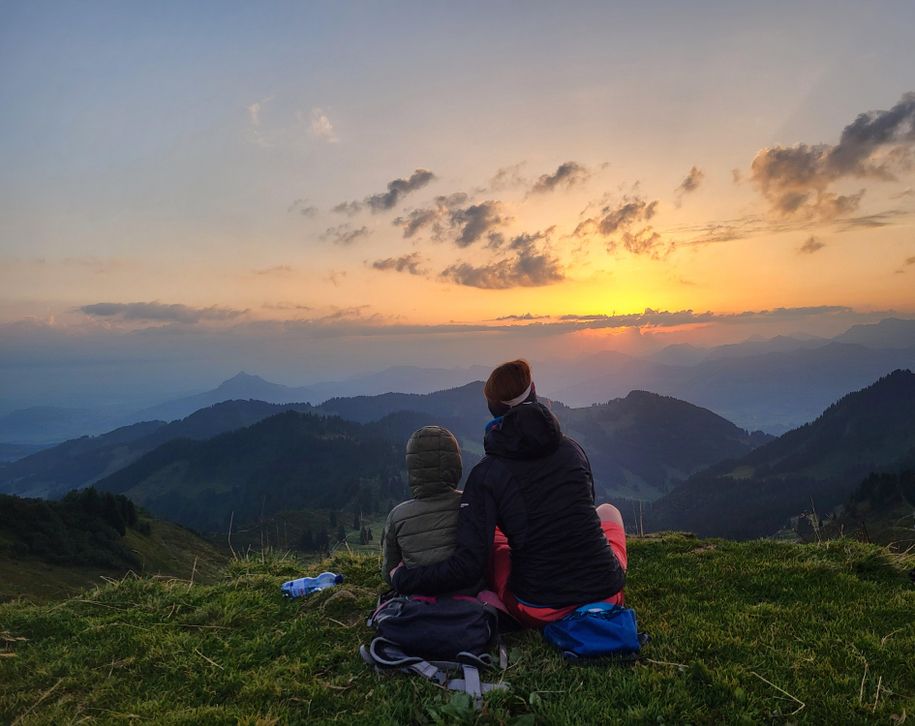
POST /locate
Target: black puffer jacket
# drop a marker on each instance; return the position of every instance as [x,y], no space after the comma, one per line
[535,484]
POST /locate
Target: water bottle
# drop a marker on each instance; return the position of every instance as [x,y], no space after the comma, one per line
[307,585]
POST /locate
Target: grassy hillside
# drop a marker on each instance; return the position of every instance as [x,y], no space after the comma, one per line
[742,633]
[166,549]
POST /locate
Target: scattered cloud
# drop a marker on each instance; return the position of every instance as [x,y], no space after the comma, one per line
[159,312]
[811,245]
[276,270]
[476,220]
[736,176]
[507,177]
[348,208]
[625,223]
[665,318]
[434,218]
[871,221]
[448,217]
[286,306]
[907,192]
[321,128]
[630,210]
[302,206]
[525,265]
[692,180]
[690,183]
[522,318]
[396,191]
[567,175]
[344,234]
[254,111]
[411,263]
[795,180]
[335,277]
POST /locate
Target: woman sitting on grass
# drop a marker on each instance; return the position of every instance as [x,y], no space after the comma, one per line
[527,517]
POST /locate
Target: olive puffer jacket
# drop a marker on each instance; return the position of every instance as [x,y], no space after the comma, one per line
[422,530]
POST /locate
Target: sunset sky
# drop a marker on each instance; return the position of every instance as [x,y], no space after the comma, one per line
[312,190]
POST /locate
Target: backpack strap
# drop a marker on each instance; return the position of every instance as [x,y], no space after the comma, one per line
[386,655]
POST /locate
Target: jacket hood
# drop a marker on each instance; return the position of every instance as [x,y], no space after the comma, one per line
[433,462]
[527,431]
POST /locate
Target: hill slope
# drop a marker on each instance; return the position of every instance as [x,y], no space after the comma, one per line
[645,444]
[50,549]
[640,446]
[288,461]
[817,465]
[81,462]
[735,639]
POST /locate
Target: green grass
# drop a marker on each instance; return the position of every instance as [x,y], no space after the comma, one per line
[168,549]
[736,628]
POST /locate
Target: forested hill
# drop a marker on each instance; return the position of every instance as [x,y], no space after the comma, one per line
[643,445]
[465,406]
[288,461]
[81,462]
[817,465]
[50,548]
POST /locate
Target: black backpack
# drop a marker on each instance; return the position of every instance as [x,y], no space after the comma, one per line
[434,637]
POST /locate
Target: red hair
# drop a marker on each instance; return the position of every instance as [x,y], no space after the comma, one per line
[508,381]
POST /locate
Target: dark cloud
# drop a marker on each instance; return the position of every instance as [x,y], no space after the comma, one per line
[406,263]
[692,181]
[159,312]
[343,234]
[795,179]
[448,218]
[434,218]
[525,265]
[613,218]
[396,191]
[476,220]
[568,174]
[665,318]
[522,318]
[625,223]
[811,245]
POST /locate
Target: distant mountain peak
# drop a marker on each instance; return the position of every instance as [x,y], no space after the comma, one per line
[243,377]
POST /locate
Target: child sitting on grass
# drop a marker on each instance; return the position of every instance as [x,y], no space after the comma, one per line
[422,530]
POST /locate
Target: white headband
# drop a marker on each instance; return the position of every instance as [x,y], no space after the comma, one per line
[519,398]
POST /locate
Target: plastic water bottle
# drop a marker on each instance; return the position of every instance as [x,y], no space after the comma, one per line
[306,585]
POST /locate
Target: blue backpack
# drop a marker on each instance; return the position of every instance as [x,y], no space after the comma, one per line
[597,630]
